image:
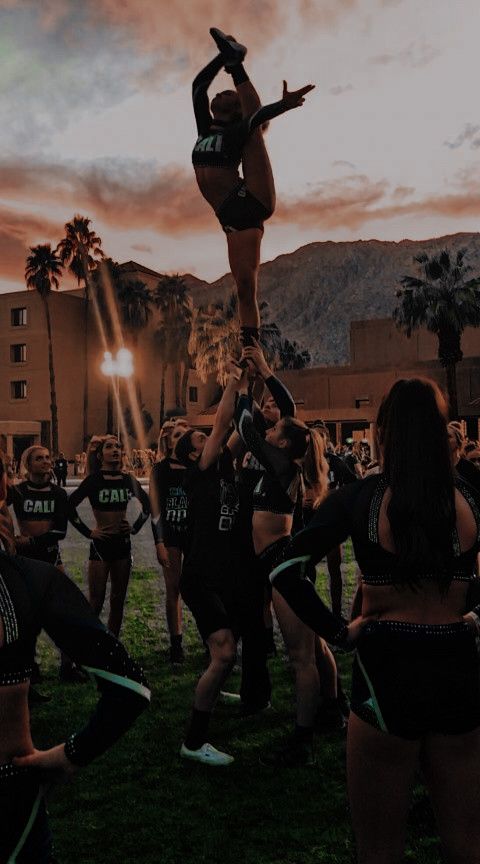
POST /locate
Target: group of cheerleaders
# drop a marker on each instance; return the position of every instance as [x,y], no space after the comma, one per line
[225,516]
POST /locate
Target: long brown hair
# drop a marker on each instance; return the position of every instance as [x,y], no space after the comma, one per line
[309,446]
[412,432]
[94,452]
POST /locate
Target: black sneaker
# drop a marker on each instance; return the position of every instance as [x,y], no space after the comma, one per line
[293,754]
[177,656]
[232,52]
[329,717]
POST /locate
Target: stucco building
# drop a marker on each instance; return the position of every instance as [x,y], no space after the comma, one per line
[346,397]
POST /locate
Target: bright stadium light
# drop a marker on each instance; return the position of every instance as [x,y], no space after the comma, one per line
[124,363]
[120,366]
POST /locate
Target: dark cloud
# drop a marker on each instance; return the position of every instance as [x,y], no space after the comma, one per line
[141,247]
[134,196]
[125,194]
[339,89]
[343,163]
[468,134]
[403,191]
[334,204]
[416,55]
[352,202]
[19,231]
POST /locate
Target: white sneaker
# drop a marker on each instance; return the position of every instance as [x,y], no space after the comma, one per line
[206,754]
[229,698]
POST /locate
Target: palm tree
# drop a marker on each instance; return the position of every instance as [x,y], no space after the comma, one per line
[215,338]
[79,249]
[43,269]
[174,303]
[135,308]
[445,302]
[292,356]
[162,348]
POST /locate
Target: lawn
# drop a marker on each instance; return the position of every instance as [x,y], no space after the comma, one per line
[141,803]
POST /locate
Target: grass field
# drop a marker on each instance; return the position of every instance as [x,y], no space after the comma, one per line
[141,803]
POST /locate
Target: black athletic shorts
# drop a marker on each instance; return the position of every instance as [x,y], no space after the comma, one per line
[241,210]
[115,549]
[175,539]
[23,817]
[51,555]
[412,680]
[212,598]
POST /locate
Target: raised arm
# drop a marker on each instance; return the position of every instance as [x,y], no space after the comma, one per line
[289,100]
[223,420]
[272,459]
[62,610]
[141,496]
[200,86]
[282,396]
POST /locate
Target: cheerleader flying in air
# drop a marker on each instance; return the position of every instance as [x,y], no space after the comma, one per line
[229,133]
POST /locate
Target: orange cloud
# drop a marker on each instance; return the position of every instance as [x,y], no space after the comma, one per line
[179,29]
[135,196]
[19,231]
[336,203]
[125,195]
[355,201]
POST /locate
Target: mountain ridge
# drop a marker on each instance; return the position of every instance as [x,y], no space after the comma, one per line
[327,284]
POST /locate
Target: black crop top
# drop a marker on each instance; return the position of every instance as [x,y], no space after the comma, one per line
[37,505]
[35,595]
[279,486]
[108,493]
[354,511]
[219,145]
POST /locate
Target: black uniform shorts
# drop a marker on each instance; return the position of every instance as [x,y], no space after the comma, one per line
[211,594]
[114,549]
[25,831]
[241,210]
[412,680]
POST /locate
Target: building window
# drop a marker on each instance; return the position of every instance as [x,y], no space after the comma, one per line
[18,316]
[18,353]
[193,394]
[18,389]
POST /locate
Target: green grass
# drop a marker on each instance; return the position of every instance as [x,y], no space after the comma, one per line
[141,803]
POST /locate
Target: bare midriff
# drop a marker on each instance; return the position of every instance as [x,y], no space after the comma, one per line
[35,529]
[110,520]
[215,184]
[15,739]
[426,605]
[269,527]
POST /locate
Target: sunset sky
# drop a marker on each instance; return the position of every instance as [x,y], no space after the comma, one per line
[96,118]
